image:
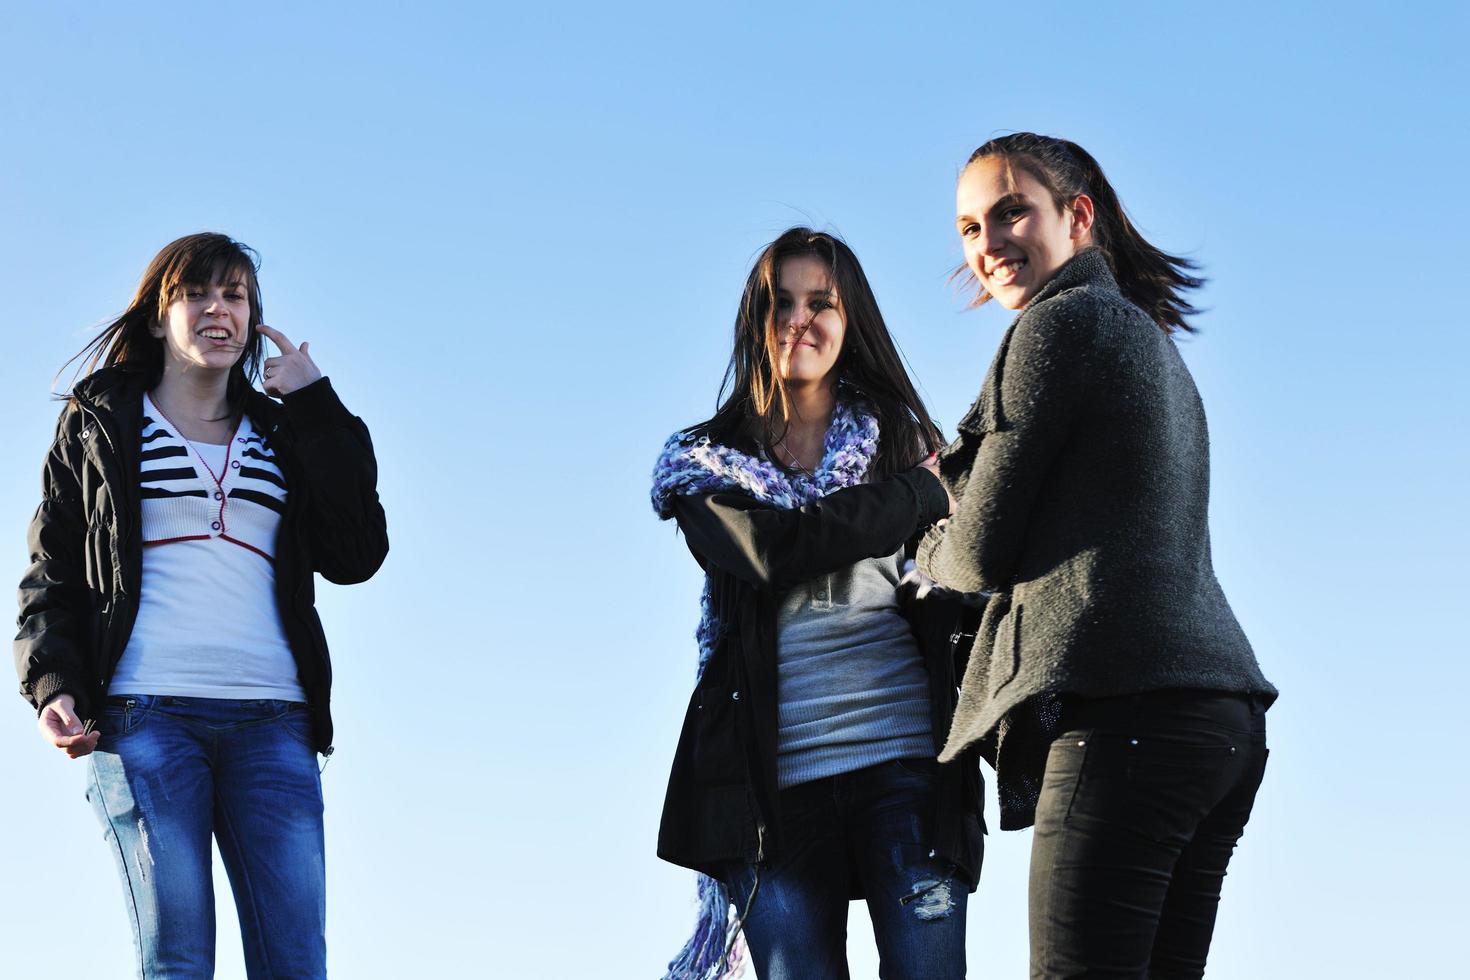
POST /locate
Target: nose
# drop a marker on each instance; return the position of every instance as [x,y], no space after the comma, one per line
[796,321]
[989,239]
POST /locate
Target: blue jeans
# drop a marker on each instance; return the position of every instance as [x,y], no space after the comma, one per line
[171,772]
[868,827]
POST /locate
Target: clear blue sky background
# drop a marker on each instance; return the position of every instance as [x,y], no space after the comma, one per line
[515,239]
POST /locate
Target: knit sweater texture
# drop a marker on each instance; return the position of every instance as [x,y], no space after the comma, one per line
[1082,480]
[852,690]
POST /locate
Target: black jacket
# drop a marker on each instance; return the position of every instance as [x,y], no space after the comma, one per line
[79,597]
[1082,481]
[722,800]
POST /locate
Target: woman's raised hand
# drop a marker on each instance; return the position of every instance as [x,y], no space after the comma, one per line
[60,726]
[292,369]
[931,463]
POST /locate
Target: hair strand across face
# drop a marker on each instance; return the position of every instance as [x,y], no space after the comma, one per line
[202,259]
[755,409]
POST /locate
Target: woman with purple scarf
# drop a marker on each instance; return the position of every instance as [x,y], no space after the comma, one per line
[805,774]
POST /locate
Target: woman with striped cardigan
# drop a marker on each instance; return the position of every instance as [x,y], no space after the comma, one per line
[167,628]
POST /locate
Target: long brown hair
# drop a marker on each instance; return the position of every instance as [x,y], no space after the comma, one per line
[1149,277]
[755,409]
[201,259]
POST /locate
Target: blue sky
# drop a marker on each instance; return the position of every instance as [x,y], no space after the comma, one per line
[515,240]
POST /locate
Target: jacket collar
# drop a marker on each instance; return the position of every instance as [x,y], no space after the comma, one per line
[117,392]
[1089,267]
[114,393]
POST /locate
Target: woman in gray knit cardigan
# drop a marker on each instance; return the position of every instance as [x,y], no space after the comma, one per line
[1110,684]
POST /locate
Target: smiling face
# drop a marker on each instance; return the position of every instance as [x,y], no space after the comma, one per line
[809,322]
[206,327]
[1015,238]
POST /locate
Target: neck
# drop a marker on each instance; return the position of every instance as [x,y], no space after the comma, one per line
[806,430]
[812,406]
[193,394]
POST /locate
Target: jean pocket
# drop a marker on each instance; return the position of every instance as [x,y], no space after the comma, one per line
[123,716]
[1160,788]
[1059,780]
[296,720]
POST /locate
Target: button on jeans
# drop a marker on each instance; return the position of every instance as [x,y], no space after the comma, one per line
[1143,800]
[871,826]
[168,774]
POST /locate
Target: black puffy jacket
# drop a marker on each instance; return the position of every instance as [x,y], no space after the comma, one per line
[79,597]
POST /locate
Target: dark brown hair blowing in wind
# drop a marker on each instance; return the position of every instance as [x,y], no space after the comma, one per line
[201,259]
[1149,277]
[755,409]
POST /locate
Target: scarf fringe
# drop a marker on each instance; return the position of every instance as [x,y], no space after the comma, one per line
[716,931]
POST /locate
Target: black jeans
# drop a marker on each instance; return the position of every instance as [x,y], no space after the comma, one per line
[1142,803]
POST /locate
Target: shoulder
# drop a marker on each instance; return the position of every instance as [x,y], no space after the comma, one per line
[679,451]
[691,464]
[1078,308]
[70,422]
[675,469]
[116,381]
[1086,319]
[263,411]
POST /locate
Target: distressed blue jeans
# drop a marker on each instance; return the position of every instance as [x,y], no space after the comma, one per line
[870,827]
[169,774]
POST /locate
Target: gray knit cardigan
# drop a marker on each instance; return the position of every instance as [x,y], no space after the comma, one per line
[1082,480]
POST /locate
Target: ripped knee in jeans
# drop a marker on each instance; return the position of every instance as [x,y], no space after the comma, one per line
[931,898]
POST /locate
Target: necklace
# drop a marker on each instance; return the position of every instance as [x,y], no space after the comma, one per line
[791,458]
[219,479]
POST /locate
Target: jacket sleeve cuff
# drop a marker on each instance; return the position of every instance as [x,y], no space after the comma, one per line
[933,500]
[48,687]
[315,405]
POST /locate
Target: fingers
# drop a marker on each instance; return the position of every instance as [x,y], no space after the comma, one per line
[290,370]
[79,745]
[60,726]
[283,344]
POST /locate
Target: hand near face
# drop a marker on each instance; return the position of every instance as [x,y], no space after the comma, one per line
[60,726]
[292,369]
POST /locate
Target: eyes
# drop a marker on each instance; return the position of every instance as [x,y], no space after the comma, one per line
[233,294]
[1006,216]
[816,304]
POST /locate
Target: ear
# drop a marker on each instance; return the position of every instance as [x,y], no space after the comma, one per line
[1082,214]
